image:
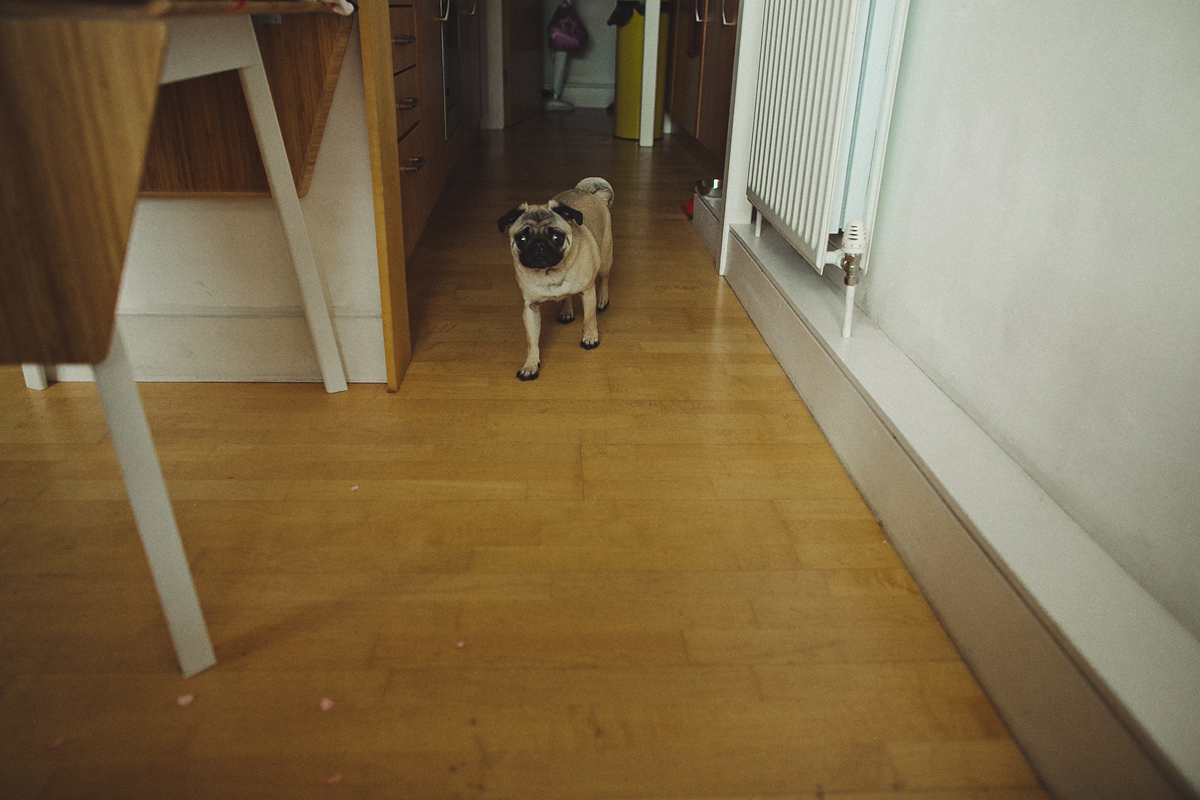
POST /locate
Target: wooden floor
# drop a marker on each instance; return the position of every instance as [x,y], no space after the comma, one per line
[643,575]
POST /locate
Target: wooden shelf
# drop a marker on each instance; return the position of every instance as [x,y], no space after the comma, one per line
[202,142]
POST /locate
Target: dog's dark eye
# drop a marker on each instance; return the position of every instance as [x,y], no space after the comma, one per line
[522,239]
[558,238]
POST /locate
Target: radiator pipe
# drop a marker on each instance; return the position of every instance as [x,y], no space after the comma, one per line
[854,244]
[850,266]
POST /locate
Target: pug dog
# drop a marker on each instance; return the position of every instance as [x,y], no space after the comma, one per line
[559,250]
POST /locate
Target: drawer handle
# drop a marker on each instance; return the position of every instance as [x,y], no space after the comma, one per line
[414,164]
[407,103]
[403,39]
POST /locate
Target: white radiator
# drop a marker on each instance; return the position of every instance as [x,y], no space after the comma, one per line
[826,76]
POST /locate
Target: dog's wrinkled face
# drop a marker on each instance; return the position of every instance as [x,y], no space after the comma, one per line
[540,235]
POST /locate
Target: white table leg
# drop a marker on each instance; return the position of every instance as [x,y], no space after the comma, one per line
[283,189]
[35,376]
[152,509]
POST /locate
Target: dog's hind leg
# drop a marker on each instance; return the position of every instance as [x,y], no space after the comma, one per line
[602,291]
[566,311]
[532,317]
[606,260]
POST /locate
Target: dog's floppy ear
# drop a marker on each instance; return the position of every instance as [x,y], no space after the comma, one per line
[511,217]
[568,213]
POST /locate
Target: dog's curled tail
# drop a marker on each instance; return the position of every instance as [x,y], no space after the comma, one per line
[599,187]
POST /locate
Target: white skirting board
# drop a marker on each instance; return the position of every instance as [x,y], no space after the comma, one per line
[706,220]
[241,348]
[1097,683]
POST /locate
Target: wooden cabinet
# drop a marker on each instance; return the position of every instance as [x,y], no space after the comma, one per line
[701,82]
[411,109]
[407,83]
[435,67]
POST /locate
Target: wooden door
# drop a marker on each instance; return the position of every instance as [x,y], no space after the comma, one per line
[716,83]
[470,37]
[523,70]
[688,58]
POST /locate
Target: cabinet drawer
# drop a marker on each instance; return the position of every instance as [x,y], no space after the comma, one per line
[408,100]
[404,52]
[412,154]
[404,37]
[414,184]
[407,83]
[403,21]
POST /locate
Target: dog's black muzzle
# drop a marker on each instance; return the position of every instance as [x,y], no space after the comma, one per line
[540,253]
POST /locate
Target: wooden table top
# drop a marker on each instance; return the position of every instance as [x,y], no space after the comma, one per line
[73,167]
[157,9]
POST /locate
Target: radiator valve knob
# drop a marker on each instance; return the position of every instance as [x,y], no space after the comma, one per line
[854,239]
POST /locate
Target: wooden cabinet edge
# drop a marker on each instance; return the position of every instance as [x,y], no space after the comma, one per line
[379,94]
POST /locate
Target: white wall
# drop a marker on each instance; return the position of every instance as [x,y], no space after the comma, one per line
[591,74]
[209,292]
[1037,253]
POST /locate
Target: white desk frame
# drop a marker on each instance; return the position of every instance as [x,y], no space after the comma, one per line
[152,509]
[200,46]
[203,46]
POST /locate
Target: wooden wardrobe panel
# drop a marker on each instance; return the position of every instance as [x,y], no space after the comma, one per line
[687,61]
[470,40]
[202,141]
[716,83]
[524,74]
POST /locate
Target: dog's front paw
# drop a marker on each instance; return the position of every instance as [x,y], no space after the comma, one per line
[527,374]
[590,344]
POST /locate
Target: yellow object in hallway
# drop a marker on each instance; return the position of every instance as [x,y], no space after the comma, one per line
[628,106]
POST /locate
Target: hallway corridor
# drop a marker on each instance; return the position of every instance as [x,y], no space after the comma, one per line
[643,576]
